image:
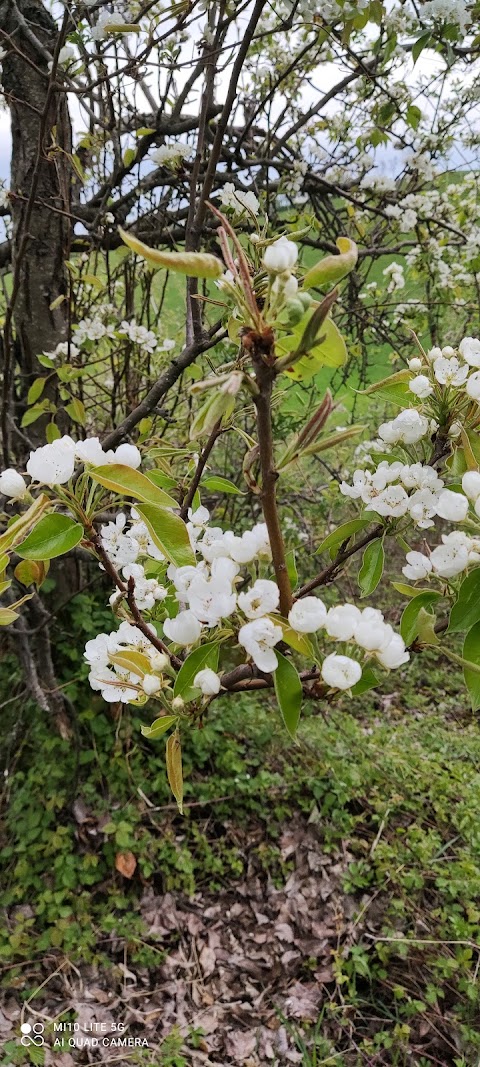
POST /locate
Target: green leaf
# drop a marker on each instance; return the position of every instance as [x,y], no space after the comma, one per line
[76,410]
[52,433]
[408,590]
[426,627]
[368,681]
[419,45]
[36,390]
[193,264]
[330,352]
[17,527]
[7,616]
[169,534]
[372,567]
[205,656]
[221,485]
[332,269]
[292,572]
[122,479]
[159,727]
[288,689]
[414,116]
[173,753]
[52,536]
[32,414]
[466,610]
[471,653]
[301,643]
[136,662]
[344,533]
[129,156]
[409,623]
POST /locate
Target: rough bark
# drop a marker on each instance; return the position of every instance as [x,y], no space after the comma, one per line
[41,161]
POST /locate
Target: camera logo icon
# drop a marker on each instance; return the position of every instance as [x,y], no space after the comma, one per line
[32,1034]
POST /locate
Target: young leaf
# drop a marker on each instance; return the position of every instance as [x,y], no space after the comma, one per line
[173,751]
[36,390]
[332,269]
[471,652]
[301,643]
[221,485]
[136,662]
[17,528]
[368,681]
[292,572]
[169,534]
[289,693]
[122,479]
[466,610]
[331,351]
[159,727]
[343,533]
[205,656]
[409,623]
[53,536]
[372,567]
[193,264]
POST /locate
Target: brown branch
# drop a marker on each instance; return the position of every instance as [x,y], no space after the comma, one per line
[202,462]
[330,572]
[164,384]
[263,358]
[128,589]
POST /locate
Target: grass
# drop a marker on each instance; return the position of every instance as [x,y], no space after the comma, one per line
[395,778]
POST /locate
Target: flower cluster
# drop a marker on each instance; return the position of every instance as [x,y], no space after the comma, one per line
[214,593]
[171,154]
[54,464]
[395,489]
[239,202]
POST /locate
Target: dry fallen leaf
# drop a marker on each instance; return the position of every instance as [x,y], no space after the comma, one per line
[125,863]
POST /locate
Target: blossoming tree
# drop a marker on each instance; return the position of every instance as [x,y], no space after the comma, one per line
[202,610]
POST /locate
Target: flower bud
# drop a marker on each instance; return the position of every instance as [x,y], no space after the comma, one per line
[151,684]
[280,256]
[178,704]
[12,484]
[158,661]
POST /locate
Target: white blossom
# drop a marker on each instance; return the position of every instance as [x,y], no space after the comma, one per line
[342,620]
[469,348]
[258,639]
[452,506]
[260,599]
[239,201]
[417,566]
[341,672]
[472,387]
[307,615]
[393,654]
[449,559]
[408,427]
[450,371]
[53,464]
[121,549]
[184,629]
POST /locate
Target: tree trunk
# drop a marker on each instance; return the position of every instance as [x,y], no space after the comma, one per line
[41,161]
